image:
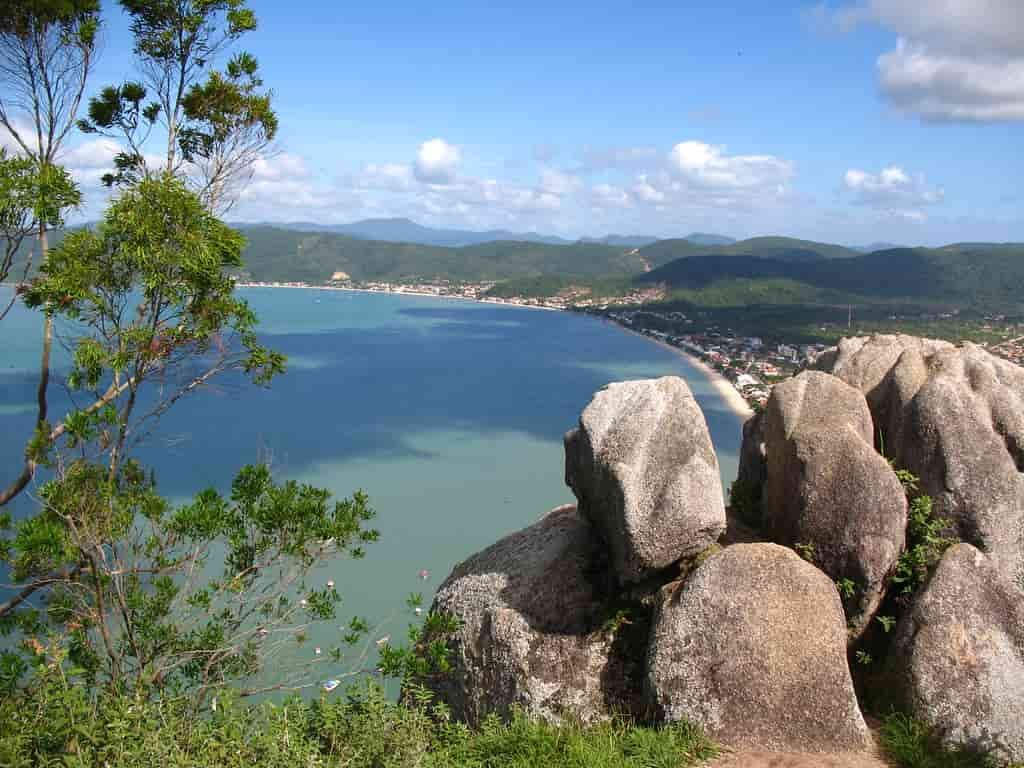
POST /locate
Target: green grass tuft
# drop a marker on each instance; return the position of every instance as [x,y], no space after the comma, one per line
[913,744]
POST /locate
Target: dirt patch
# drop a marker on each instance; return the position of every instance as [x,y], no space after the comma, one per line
[797,760]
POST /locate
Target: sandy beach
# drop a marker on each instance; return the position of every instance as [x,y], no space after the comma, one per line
[721,384]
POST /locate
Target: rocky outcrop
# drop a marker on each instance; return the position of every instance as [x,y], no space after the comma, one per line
[958,655]
[954,416]
[533,609]
[752,647]
[828,491]
[645,473]
[629,605]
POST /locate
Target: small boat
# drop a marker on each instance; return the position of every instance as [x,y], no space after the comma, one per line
[330,685]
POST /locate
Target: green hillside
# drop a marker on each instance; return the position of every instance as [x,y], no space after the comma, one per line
[989,277]
[780,248]
[275,254]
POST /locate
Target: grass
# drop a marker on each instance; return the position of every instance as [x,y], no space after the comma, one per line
[525,743]
[911,744]
[56,724]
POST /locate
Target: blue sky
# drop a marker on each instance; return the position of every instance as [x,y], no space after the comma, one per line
[850,122]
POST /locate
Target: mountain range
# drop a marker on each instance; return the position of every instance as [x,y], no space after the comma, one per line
[397,230]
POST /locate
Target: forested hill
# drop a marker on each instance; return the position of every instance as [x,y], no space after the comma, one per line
[278,254]
[988,276]
[275,254]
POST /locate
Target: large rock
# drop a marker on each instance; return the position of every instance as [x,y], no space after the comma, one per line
[954,416]
[752,647]
[865,362]
[958,655]
[643,469]
[533,629]
[828,489]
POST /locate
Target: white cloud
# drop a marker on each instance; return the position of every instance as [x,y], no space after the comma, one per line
[284,181]
[646,192]
[278,167]
[557,182]
[609,196]
[940,86]
[891,185]
[957,60]
[387,176]
[707,166]
[437,162]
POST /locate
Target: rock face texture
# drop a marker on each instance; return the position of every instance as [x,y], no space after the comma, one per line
[752,647]
[829,490]
[959,655]
[954,416]
[635,603]
[532,607]
[645,473]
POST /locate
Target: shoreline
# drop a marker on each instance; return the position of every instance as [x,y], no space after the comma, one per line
[733,399]
[492,302]
[729,394]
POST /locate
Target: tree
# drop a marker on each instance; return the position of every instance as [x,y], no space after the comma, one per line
[115,586]
[122,571]
[29,200]
[46,54]
[215,129]
[47,50]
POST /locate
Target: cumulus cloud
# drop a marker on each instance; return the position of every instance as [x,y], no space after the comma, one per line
[891,185]
[557,182]
[940,86]
[647,192]
[279,166]
[696,175]
[395,177]
[708,166]
[436,162]
[284,181]
[610,196]
[957,60]
[892,191]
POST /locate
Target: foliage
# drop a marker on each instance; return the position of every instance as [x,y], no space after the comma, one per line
[57,723]
[139,606]
[912,744]
[426,653]
[926,540]
[215,128]
[32,198]
[806,551]
[46,54]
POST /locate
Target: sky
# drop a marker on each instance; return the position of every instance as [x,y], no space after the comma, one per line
[852,121]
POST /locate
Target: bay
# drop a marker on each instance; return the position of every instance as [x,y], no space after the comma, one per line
[448,413]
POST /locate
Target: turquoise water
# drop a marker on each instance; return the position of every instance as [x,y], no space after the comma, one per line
[449,414]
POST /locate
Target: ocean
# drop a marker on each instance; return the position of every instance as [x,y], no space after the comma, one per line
[448,413]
